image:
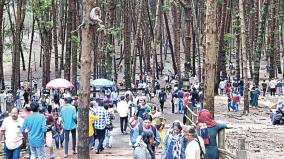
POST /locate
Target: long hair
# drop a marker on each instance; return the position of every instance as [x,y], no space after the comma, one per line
[146,136]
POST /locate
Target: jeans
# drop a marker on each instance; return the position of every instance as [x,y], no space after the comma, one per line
[59,140]
[91,142]
[123,123]
[66,136]
[37,152]
[108,139]
[12,154]
[100,133]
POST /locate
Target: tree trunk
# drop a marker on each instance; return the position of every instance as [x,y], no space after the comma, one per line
[155,40]
[260,38]
[210,54]
[54,33]
[20,16]
[170,40]
[176,29]
[68,53]
[272,47]
[244,56]
[127,44]
[137,38]
[86,60]
[2,85]
[187,39]
[31,48]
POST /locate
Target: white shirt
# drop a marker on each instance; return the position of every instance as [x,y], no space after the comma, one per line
[122,108]
[192,150]
[13,134]
[272,84]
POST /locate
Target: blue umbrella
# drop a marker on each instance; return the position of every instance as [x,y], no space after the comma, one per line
[100,83]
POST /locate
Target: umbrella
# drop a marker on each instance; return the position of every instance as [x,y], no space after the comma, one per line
[59,83]
[100,83]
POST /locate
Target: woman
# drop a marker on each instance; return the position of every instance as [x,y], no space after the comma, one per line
[175,143]
[195,149]
[208,130]
[134,122]
[254,94]
[142,148]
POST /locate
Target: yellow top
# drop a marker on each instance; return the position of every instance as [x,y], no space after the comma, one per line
[92,118]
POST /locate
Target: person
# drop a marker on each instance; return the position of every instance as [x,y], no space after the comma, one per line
[69,119]
[100,126]
[35,124]
[48,135]
[143,108]
[11,129]
[122,109]
[222,85]
[235,100]
[146,127]
[108,135]
[175,143]
[195,149]
[162,98]
[92,118]
[179,102]
[278,114]
[26,97]
[272,86]
[254,94]
[264,87]
[194,97]
[133,122]
[114,97]
[58,131]
[174,95]
[142,147]
[208,130]
[75,102]
[159,123]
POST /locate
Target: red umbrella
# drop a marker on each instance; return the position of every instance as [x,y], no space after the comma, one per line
[59,83]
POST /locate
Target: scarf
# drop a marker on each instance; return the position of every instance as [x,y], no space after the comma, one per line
[177,145]
[204,116]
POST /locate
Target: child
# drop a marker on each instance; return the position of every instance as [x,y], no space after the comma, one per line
[108,135]
[229,101]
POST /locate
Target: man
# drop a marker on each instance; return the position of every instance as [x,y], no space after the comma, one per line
[114,96]
[11,128]
[100,126]
[69,118]
[264,87]
[36,126]
[195,149]
[122,109]
[142,108]
[272,85]
[162,98]
[26,97]
[194,97]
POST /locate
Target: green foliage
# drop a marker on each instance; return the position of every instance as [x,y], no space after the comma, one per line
[114,31]
[75,40]
[229,37]
[40,7]
[167,5]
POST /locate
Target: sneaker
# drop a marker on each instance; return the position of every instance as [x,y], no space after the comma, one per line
[65,156]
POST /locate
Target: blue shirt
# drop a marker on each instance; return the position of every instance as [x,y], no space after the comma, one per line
[36,126]
[69,117]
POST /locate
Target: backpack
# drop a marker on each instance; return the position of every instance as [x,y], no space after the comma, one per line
[140,128]
[203,133]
